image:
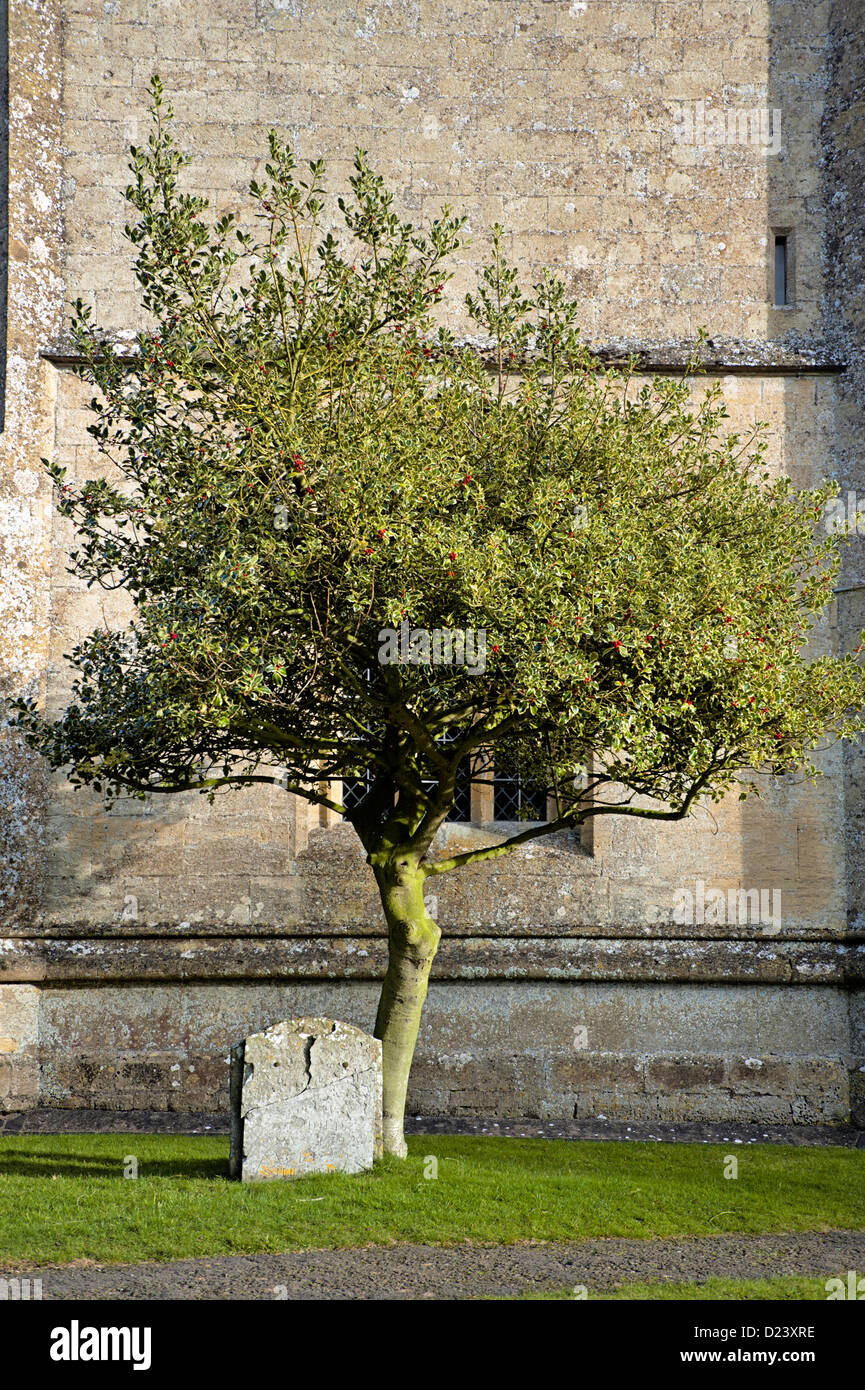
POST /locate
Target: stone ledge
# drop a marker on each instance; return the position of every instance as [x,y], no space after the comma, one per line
[48,1120]
[762,960]
[717,356]
[368,927]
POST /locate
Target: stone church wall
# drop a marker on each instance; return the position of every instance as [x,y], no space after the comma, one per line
[139,943]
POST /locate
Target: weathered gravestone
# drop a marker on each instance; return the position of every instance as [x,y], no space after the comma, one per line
[305,1098]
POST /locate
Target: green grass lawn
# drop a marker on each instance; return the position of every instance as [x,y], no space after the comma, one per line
[65,1197]
[714,1290]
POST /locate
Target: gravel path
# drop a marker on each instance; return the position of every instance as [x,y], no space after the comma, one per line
[468,1271]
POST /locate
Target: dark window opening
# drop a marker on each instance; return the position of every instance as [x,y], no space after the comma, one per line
[354,789]
[514,799]
[462,808]
[781,272]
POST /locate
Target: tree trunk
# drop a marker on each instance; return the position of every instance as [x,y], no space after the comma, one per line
[413,939]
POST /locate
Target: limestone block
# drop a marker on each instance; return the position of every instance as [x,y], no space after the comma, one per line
[19,1022]
[306,1097]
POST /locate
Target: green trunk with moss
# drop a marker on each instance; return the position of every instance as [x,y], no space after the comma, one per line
[413,939]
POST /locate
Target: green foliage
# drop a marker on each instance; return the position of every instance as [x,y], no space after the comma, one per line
[304,458]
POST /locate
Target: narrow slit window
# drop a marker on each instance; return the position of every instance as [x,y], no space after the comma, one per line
[781,268]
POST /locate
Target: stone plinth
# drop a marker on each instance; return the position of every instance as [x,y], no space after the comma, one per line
[305,1098]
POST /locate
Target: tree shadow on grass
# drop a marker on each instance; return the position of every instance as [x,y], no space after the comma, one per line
[42,1164]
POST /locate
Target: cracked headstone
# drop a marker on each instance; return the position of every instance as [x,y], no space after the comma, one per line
[305,1098]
